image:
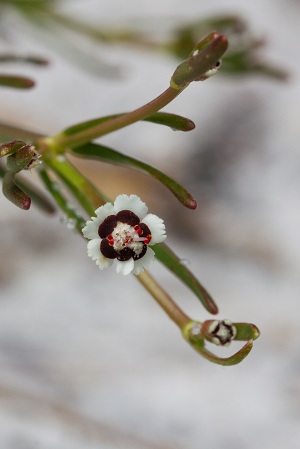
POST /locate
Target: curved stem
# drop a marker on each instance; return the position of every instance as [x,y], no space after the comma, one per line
[234,359]
[163,299]
[62,141]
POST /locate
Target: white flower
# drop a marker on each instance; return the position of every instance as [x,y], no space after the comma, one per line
[123,232]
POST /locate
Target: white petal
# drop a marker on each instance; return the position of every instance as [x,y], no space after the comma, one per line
[144,262]
[133,203]
[157,228]
[104,262]
[104,211]
[90,231]
[125,267]
[93,249]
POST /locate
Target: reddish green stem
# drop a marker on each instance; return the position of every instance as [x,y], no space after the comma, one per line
[62,141]
[164,299]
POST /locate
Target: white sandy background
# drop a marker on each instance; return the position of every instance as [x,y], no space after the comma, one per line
[87,359]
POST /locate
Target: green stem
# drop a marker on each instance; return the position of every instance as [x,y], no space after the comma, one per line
[234,359]
[62,202]
[86,193]
[79,187]
[61,141]
[163,299]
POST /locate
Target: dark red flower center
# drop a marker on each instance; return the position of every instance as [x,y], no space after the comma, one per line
[124,236]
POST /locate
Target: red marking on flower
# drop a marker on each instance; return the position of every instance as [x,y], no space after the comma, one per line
[147,239]
[138,229]
[110,240]
[145,233]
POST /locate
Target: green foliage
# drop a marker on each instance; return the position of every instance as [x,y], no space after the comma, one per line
[16,82]
[62,180]
[105,154]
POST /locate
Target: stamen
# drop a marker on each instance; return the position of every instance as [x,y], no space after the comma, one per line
[110,240]
[138,229]
[128,238]
[147,239]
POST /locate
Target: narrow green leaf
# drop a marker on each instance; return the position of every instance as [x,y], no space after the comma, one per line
[167,257]
[245,62]
[87,195]
[64,204]
[10,57]
[174,121]
[246,331]
[103,153]
[17,82]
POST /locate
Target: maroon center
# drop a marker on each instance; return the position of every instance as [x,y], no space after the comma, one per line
[107,227]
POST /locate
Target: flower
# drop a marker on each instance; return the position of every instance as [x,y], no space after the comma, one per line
[122,232]
[219,332]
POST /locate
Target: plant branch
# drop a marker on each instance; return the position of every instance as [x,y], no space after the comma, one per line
[163,299]
[62,141]
[84,191]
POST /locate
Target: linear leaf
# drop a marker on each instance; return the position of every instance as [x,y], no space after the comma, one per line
[103,153]
[18,82]
[173,263]
[174,121]
[69,210]
[246,331]
[31,59]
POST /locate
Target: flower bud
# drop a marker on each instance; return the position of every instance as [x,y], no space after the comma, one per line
[202,62]
[23,159]
[8,148]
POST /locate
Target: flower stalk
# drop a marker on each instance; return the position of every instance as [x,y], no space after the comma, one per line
[122,232]
[206,55]
[61,142]
[88,196]
[163,299]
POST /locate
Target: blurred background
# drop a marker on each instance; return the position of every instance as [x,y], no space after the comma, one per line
[87,358]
